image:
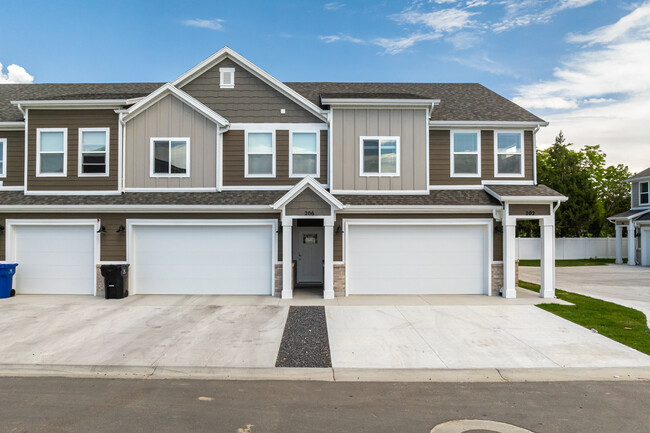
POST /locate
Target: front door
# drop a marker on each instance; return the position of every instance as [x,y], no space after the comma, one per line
[310,255]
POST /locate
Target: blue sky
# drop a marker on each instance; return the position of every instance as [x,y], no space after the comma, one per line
[582,64]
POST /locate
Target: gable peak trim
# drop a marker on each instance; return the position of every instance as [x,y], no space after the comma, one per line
[307,182]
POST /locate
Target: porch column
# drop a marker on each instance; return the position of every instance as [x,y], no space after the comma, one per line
[509,284]
[547,231]
[631,244]
[619,244]
[328,277]
[287,271]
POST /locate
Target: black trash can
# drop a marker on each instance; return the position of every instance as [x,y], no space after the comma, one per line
[115,281]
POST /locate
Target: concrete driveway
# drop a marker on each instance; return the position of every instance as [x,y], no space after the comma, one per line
[229,332]
[621,284]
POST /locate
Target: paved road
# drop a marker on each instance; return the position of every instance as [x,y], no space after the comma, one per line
[110,405]
[621,284]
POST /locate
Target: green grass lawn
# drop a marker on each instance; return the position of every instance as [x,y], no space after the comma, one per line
[563,263]
[622,324]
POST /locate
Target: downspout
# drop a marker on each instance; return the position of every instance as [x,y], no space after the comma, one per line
[557,206]
[535,154]
[219,156]
[122,152]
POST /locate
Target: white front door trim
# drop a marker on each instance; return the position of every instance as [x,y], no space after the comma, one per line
[10,244]
[130,244]
[488,223]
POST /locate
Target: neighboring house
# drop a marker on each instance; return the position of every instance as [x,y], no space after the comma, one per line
[229,181]
[636,221]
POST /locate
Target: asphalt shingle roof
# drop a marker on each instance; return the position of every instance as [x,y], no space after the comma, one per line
[470,197]
[642,174]
[459,101]
[524,191]
[68,91]
[630,213]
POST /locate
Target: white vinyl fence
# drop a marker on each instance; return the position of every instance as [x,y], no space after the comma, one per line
[571,248]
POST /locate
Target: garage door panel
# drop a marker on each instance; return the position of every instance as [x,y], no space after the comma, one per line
[54,259]
[418,259]
[203,259]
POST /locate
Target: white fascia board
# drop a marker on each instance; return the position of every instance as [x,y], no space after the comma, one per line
[167,89]
[73,103]
[418,209]
[308,182]
[513,199]
[484,124]
[255,70]
[630,217]
[380,192]
[343,102]
[12,126]
[137,208]
[453,187]
[637,179]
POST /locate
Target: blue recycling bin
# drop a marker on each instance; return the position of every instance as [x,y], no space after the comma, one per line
[7,271]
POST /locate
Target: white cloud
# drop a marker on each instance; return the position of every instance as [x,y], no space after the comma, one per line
[445,20]
[213,24]
[397,45]
[15,75]
[475,3]
[484,63]
[328,39]
[333,6]
[521,13]
[601,93]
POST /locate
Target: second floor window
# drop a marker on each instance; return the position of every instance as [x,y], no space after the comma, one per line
[509,154]
[644,193]
[380,156]
[51,146]
[3,157]
[170,157]
[260,154]
[304,154]
[465,154]
[93,151]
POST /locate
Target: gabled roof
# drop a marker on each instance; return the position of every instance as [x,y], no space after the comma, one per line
[641,175]
[308,182]
[227,52]
[169,89]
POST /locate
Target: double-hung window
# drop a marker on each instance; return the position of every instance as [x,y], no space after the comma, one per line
[304,159]
[508,154]
[380,156]
[51,151]
[465,154]
[260,154]
[170,157]
[644,193]
[93,151]
[3,157]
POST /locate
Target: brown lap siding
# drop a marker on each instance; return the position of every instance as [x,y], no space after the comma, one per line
[15,158]
[234,153]
[338,237]
[113,244]
[72,120]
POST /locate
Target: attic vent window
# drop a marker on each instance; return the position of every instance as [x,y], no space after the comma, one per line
[227,78]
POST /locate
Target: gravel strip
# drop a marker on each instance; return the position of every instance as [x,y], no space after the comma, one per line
[305,342]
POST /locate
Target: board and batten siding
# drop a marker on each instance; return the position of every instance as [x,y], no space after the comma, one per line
[440,154]
[171,117]
[72,120]
[113,244]
[352,123]
[250,101]
[15,162]
[234,153]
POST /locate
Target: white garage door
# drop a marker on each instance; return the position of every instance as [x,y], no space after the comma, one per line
[54,259]
[202,259]
[422,259]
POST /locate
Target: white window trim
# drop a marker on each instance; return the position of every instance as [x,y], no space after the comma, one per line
[222,73]
[38,152]
[261,130]
[291,153]
[452,153]
[152,156]
[647,182]
[496,152]
[397,162]
[80,159]
[4,157]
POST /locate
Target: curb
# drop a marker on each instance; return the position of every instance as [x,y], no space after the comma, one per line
[489,375]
